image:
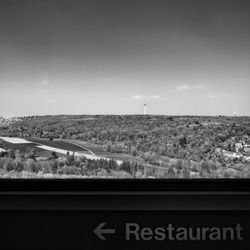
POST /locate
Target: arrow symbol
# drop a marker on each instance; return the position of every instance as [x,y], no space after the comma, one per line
[99,231]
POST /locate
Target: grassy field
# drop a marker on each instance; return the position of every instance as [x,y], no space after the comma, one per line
[100,150]
[96,149]
[22,147]
[34,143]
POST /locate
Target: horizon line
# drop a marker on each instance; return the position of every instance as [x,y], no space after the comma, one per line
[171,115]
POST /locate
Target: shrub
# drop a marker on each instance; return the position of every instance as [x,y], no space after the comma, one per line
[8,164]
[102,173]
[11,153]
[53,155]
[18,165]
[172,172]
[53,167]
[29,165]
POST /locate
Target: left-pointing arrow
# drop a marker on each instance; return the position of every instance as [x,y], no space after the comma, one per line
[100,231]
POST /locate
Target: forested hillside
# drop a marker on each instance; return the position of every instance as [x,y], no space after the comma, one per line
[186,146]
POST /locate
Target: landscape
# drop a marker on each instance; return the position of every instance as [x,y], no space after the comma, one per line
[125,146]
[152,89]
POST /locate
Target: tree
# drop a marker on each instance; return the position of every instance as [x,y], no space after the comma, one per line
[29,165]
[125,166]
[18,165]
[133,151]
[8,164]
[53,167]
[205,167]
[32,154]
[11,153]
[171,173]
[108,147]
[62,136]
[183,140]
[54,155]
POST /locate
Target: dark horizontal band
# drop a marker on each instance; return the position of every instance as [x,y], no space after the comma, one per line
[123,185]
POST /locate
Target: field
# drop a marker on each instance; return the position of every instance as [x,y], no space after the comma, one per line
[100,150]
[22,147]
[57,144]
[36,144]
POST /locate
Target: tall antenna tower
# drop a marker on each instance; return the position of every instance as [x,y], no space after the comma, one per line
[235,110]
[145,109]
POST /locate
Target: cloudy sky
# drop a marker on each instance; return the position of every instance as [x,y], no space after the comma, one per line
[181,57]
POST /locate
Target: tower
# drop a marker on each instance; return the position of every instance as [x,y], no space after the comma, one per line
[145,109]
[235,110]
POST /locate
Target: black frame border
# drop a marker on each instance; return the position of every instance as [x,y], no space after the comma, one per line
[123,185]
[124,194]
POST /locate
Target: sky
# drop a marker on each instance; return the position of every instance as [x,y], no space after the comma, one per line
[111,56]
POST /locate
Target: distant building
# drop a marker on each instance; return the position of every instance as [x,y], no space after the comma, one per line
[239,146]
[231,154]
[145,109]
[247,150]
[242,147]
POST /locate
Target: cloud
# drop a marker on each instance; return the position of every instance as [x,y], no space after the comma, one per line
[146,97]
[110,79]
[187,87]
[44,83]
